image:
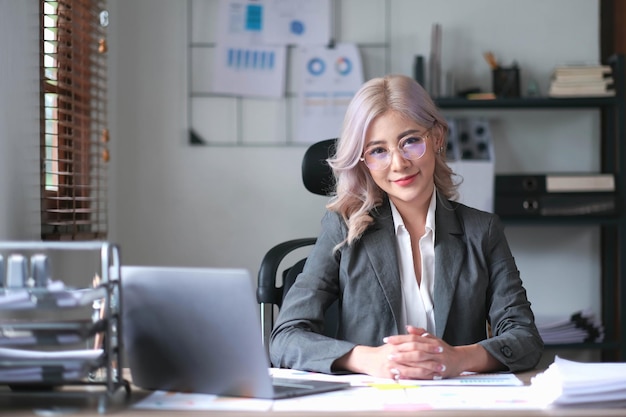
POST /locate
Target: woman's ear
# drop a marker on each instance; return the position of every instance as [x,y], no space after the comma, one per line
[438,136]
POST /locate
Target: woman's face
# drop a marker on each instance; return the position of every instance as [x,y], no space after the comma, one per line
[406,181]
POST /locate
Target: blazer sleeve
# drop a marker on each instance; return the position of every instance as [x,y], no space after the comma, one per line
[297,340]
[516,341]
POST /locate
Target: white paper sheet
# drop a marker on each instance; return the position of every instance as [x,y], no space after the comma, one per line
[55,295]
[244,64]
[163,400]
[297,22]
[329,78]
[274,22]
[249,71]
[567,382]
[22,365]
[359,380]
[416,399]
[240,22]
[367,394]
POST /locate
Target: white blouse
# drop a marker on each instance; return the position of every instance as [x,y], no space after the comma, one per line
[417,300]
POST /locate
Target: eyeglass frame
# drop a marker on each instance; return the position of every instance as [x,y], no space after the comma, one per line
[425,136]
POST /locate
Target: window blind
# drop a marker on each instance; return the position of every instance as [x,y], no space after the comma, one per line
[75,137]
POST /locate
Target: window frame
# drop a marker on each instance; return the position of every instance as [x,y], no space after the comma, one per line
[74,133]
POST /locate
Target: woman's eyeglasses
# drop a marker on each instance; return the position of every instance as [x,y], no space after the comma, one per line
[378,157]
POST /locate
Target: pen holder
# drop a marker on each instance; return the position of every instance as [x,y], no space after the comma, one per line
[506,82]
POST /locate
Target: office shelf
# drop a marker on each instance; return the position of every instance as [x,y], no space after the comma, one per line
[527,103]
[60,341]
[609,220]
[612,227]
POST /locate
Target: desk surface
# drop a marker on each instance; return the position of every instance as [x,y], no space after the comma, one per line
[21,405]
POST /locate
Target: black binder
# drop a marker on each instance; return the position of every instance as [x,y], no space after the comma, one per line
[525,184]
[556,204]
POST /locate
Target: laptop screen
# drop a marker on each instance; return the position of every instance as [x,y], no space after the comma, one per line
[194,329]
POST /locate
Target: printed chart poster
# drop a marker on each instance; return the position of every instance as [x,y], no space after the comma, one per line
[329,79]
[244,65]
[240,22]
[297,22]
[274,22]
[250,71]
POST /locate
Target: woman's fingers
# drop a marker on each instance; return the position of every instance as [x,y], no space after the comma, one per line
[424,371]
[416,355]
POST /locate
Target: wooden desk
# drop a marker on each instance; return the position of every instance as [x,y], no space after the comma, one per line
[24,405]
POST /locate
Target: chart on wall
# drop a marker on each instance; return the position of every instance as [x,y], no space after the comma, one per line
[330,76]
[252,39]
[276,56]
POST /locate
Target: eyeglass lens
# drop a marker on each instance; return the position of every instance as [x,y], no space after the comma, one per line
[379,157]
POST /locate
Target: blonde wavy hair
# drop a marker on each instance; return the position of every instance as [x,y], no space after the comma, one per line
[356,194]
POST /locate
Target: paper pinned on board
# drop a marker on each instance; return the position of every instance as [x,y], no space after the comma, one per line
[328,79]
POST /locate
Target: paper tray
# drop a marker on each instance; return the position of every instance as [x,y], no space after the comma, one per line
[36,298]
[34,366]
[22,333]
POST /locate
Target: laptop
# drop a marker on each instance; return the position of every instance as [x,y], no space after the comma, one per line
[198,330]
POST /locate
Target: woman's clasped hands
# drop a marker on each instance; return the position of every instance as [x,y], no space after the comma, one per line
[418,355]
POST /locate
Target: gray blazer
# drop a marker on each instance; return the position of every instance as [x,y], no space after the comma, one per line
[476,280]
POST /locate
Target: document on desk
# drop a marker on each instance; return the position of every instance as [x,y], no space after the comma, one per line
[170,401]
[417,398]
[468,391]
[472,391]
[360,380]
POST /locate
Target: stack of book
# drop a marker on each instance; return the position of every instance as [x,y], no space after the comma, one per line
[582,81]
[580,327]
[573,383]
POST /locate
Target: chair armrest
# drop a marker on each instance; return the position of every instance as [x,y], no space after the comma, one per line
[267,291]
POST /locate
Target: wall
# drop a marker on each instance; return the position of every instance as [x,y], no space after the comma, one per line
[19,120]
[225,206]
[172,204]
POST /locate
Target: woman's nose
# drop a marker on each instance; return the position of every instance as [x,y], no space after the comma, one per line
[397,159]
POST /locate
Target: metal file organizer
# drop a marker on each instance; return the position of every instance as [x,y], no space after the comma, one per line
[56,340]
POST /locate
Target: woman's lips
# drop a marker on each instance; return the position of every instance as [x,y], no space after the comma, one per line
[405,181]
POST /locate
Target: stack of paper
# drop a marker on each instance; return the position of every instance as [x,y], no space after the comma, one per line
[580,327]
[21,365]
[55,294]
[568,382]
[582,81]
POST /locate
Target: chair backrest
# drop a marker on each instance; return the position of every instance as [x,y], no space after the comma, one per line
[318,178]
[317,175]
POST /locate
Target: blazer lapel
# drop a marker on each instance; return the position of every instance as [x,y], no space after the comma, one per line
[449,256]
[379,243]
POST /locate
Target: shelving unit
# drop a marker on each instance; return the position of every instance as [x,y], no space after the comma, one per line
[613,228]
[64,339]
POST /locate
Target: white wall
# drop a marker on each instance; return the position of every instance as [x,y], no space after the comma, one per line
[19,120]
[172,204]
[225,206]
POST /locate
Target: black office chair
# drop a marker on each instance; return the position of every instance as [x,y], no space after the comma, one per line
[318,178]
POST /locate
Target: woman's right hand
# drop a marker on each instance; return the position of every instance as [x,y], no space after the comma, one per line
[368,360]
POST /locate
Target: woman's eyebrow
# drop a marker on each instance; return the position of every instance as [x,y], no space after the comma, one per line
[409,132]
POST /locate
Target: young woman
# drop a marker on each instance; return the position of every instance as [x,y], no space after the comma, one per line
[418,277]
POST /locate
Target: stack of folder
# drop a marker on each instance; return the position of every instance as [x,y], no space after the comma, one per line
[580,327]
